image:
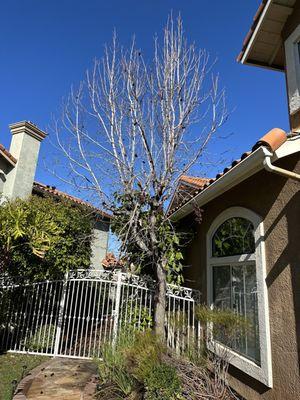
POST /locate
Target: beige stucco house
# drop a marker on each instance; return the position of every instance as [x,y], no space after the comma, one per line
[17,173]
[245,254]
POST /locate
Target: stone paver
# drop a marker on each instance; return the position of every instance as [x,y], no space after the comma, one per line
[63,379]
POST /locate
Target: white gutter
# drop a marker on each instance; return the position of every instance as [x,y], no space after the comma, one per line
[243,170]
[258,160]
[280,171]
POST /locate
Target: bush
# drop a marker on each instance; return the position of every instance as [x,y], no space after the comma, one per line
[162,383]
[116,381]
[143,354]
[140,366]
[41,238]
[133,366]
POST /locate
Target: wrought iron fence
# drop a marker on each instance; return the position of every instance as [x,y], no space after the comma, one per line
[73,317]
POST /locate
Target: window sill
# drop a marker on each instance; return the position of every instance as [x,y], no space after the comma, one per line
[261,373]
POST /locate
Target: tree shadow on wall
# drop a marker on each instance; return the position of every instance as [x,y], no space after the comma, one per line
[289,258]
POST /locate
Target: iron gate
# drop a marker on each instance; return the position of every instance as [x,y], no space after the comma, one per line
[75,316]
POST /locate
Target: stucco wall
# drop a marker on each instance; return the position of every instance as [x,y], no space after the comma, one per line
[99,244]
[277,201]
[19,180]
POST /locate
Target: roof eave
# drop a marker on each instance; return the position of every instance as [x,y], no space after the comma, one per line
[264,13]
[254,63]
[97,212]
[180,183]
[255,32]
[246,168]
[240,172]
[8,159]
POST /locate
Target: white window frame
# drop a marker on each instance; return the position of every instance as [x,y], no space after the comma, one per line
[293,69]
[262,372]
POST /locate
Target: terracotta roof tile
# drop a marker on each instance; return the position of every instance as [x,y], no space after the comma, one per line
[40,187]
[273,140]
[194,180]
[7,154]
[111,262]
[186,189]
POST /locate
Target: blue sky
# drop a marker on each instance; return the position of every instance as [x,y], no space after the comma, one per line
[46,46]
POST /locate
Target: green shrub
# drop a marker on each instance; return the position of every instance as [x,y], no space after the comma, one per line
[41,238]
[116,385]
[143,354]
[115,379]
[126,366]
[162,383]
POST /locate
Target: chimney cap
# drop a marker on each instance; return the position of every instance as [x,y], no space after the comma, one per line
[29,128]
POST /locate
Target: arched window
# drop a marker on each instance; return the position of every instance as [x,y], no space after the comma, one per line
[234,237]
[236,279]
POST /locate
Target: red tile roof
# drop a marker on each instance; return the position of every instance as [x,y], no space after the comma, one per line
[193,180]
[7,154]
[185,190]
[273,140]
[252,28]
[111,262]
[46,189]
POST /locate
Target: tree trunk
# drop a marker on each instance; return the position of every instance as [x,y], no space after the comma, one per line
[160,301]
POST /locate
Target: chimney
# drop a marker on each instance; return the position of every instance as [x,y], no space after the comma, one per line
[25,146]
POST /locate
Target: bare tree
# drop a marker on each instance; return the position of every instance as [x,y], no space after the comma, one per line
[133,127]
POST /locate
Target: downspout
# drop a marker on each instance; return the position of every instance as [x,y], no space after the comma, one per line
[270,143]
[277,170]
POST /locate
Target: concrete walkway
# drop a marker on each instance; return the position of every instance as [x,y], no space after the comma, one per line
[60,378]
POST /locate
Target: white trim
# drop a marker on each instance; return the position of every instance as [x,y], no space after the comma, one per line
[262,372]
[291,146]
[254,34]
[246,168]
[270,10]
[237,174]
[244,258]
[293,69]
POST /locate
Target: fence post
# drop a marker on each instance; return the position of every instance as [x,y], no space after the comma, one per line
[117,307]
[60,314]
